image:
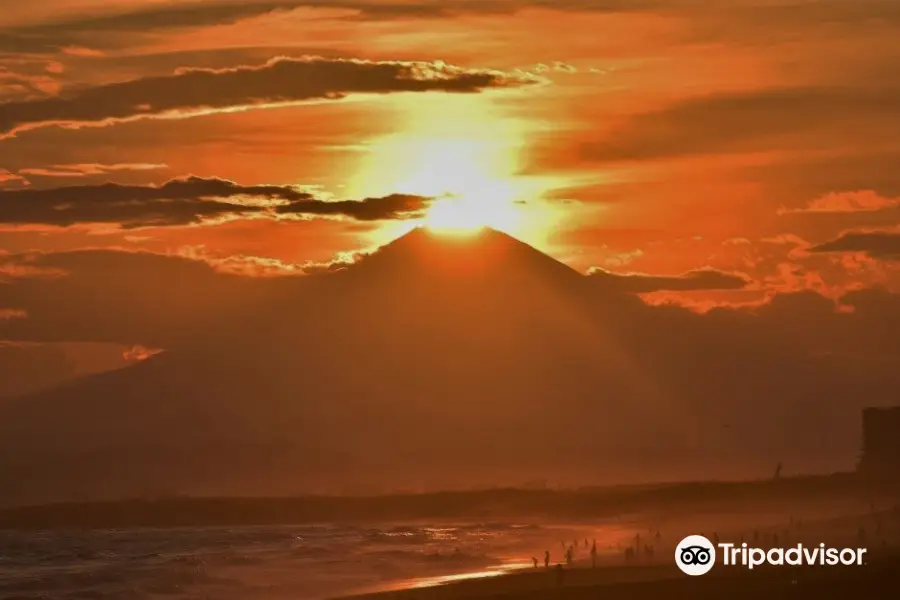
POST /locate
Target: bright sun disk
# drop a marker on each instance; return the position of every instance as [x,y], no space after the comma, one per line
[468,214]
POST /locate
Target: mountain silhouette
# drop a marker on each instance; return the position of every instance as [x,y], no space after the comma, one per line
[486,254]
[437,360]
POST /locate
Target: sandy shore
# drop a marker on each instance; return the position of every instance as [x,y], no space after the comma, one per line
[879,578]
[657,577]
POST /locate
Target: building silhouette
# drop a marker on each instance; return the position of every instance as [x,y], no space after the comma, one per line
[881,442]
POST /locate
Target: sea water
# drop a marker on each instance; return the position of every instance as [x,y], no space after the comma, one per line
[272,563]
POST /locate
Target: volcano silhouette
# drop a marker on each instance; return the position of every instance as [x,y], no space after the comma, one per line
[437,360]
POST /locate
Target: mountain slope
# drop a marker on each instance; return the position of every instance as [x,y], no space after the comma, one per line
[436,360]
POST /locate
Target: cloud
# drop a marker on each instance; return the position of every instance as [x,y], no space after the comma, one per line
[186,201]
[77,34]
[636,283]
[280,81]
[847,202]
[752,121]
[877,244]
[31,367]
[12,313]
[10,177]
[87,169]
[126,297]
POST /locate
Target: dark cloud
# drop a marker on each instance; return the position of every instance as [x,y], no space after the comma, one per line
[752,121]
[193,92]
[87,169]
[796,179]
[877,244]
[30,367]
[84,30]
[185,201]
[123,296]
[394,206]
[636,283]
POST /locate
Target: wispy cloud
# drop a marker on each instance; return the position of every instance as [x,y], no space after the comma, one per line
[278,82]
[877,244]
[87,169]
[639,283]
[847,202]
[187,201]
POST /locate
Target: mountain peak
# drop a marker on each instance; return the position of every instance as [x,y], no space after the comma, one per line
[484,252]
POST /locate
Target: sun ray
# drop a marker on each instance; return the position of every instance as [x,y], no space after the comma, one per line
[458,151]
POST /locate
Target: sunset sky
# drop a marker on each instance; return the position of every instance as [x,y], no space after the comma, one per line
[717,153]
[723,174]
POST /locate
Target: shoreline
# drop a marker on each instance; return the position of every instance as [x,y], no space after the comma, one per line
[660,580]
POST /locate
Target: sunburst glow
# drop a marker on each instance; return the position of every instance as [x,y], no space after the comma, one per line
[458,152]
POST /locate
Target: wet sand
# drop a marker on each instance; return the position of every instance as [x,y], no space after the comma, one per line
[656,577]
[878,579]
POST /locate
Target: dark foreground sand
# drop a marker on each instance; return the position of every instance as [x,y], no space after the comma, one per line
[878,579]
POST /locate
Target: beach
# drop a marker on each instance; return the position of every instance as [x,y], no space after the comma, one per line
[880,578]
[161,549]
[643,566]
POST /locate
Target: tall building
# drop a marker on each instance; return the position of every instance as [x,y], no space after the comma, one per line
[881,442]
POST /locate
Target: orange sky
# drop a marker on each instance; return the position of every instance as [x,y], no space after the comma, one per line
[632,136]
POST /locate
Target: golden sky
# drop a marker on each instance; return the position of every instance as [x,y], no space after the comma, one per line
[724,171]
[757,141]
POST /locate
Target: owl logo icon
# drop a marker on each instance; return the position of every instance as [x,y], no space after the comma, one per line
[695,555]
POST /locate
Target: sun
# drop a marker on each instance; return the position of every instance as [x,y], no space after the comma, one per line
[453,215]
[464,156]
[463,215]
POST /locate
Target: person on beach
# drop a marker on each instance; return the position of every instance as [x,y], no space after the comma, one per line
[547,559]
[594,555]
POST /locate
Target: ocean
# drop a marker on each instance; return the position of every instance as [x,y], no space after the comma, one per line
[275,562]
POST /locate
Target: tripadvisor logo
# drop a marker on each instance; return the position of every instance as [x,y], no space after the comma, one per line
[696,555]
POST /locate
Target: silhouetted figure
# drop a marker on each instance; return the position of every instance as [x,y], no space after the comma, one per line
[547,559]
[570,555]
[559,574]
[594,555]
[534,560]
